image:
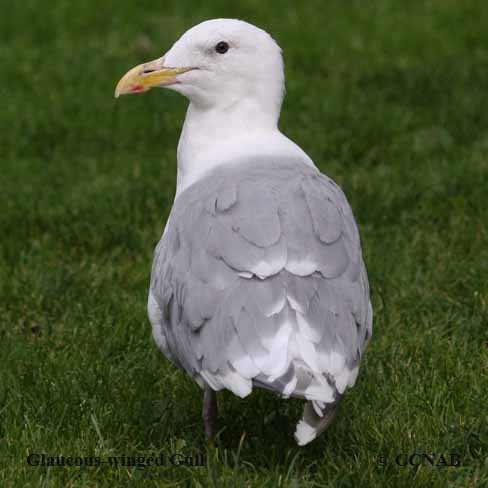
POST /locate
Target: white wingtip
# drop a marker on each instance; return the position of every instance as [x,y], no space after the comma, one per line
[304,433]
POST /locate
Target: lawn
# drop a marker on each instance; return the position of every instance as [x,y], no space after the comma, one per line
[389,98]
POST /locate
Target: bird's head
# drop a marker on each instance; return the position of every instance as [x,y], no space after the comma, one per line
[216,63]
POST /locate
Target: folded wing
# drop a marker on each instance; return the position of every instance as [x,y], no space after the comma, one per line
[259,279]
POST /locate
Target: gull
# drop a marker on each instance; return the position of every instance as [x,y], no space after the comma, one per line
[258,279]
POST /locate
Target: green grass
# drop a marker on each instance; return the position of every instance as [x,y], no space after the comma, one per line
[389,98]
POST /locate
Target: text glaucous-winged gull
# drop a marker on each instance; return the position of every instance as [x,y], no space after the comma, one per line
[258,279]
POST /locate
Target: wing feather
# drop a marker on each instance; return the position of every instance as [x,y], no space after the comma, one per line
[259,278]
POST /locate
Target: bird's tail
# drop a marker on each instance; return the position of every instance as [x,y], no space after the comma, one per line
[316,418]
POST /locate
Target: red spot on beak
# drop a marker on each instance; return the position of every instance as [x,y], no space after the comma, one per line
[136,88]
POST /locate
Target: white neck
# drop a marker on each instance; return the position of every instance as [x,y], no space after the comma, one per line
[218,135]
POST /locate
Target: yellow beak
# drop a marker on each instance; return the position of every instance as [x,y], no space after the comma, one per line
[146,76]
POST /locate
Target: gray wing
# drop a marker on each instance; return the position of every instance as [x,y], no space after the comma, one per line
[259,279]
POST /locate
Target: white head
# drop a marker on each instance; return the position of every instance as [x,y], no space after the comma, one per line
[217,64]
[232,73]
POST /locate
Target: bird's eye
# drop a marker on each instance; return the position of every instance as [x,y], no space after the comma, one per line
[221,47]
